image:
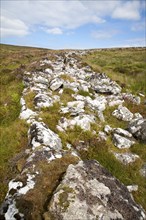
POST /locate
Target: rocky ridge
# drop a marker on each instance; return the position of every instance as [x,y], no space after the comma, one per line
[84,190]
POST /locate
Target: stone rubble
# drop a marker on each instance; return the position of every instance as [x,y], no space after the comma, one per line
[122,113]
[87,190]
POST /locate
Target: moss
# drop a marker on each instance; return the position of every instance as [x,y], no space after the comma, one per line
[51,116]
[29,98]
[67,77]
[67,96]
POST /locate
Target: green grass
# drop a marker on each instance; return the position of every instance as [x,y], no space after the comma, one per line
[13,62]
[126,66]
[126,174]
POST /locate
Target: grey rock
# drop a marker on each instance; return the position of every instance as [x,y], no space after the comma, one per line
[107,129]
[83,121]
[134,99]
[41,135]
[122,142]
[143,170]
[56,84]
[138,128]
[123,113]
[132,188]
[88,191]
[102,135]
[43,100]
[126,158]
[102,84]
[122,132]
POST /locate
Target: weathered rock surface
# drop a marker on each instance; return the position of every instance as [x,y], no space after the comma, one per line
[83,121]
[122,142]
[88,191]
[102,84]
[41,135]
[123,113]
[137,127]
[126,158]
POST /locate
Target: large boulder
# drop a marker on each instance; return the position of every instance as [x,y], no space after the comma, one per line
[41,135]
[102,84]
[138,127]
[123,113]
[88,191]
[56,84]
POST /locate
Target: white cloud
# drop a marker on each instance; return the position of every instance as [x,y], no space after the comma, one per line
[104,34]
[129,10]
[13,27]
[66,15]
[54,31]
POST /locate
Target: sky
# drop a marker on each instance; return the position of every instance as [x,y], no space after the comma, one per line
[73,24]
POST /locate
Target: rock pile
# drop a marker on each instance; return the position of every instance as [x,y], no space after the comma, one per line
[54,182]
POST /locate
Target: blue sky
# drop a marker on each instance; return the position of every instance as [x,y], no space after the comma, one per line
[73,24]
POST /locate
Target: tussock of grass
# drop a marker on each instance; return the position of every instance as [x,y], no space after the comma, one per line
[13,140]
[112,120]
[127,174]
[51,116]
[83,93]
[29,98]
[126,66]
[67,77]
[66,96]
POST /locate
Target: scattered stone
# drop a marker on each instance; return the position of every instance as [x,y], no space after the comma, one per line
[83,121]
[27,114]
[122,132]
[107,129]
[41,135]
[122,142]
[143,170]
[102,136]
[134,99]
[43,100]
[89,191]
[102,84]
[132,188]
[56,84]
[137,127]
[126,158]
[123,113]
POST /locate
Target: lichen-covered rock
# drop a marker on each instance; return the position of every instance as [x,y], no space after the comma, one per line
[126,158]
[41,135]
[122,142]
[56,84]
[138,128]
[43,100]
[102,84]
[122,132]
[88,191]
[83,121]
[123,113]
[134,99]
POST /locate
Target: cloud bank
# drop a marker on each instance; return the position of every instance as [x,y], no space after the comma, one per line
[19,17]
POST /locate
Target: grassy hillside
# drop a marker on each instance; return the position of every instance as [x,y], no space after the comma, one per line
[13,62]
[126,66]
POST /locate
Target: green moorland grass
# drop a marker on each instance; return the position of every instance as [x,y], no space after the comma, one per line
[127,66]
[13,62]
